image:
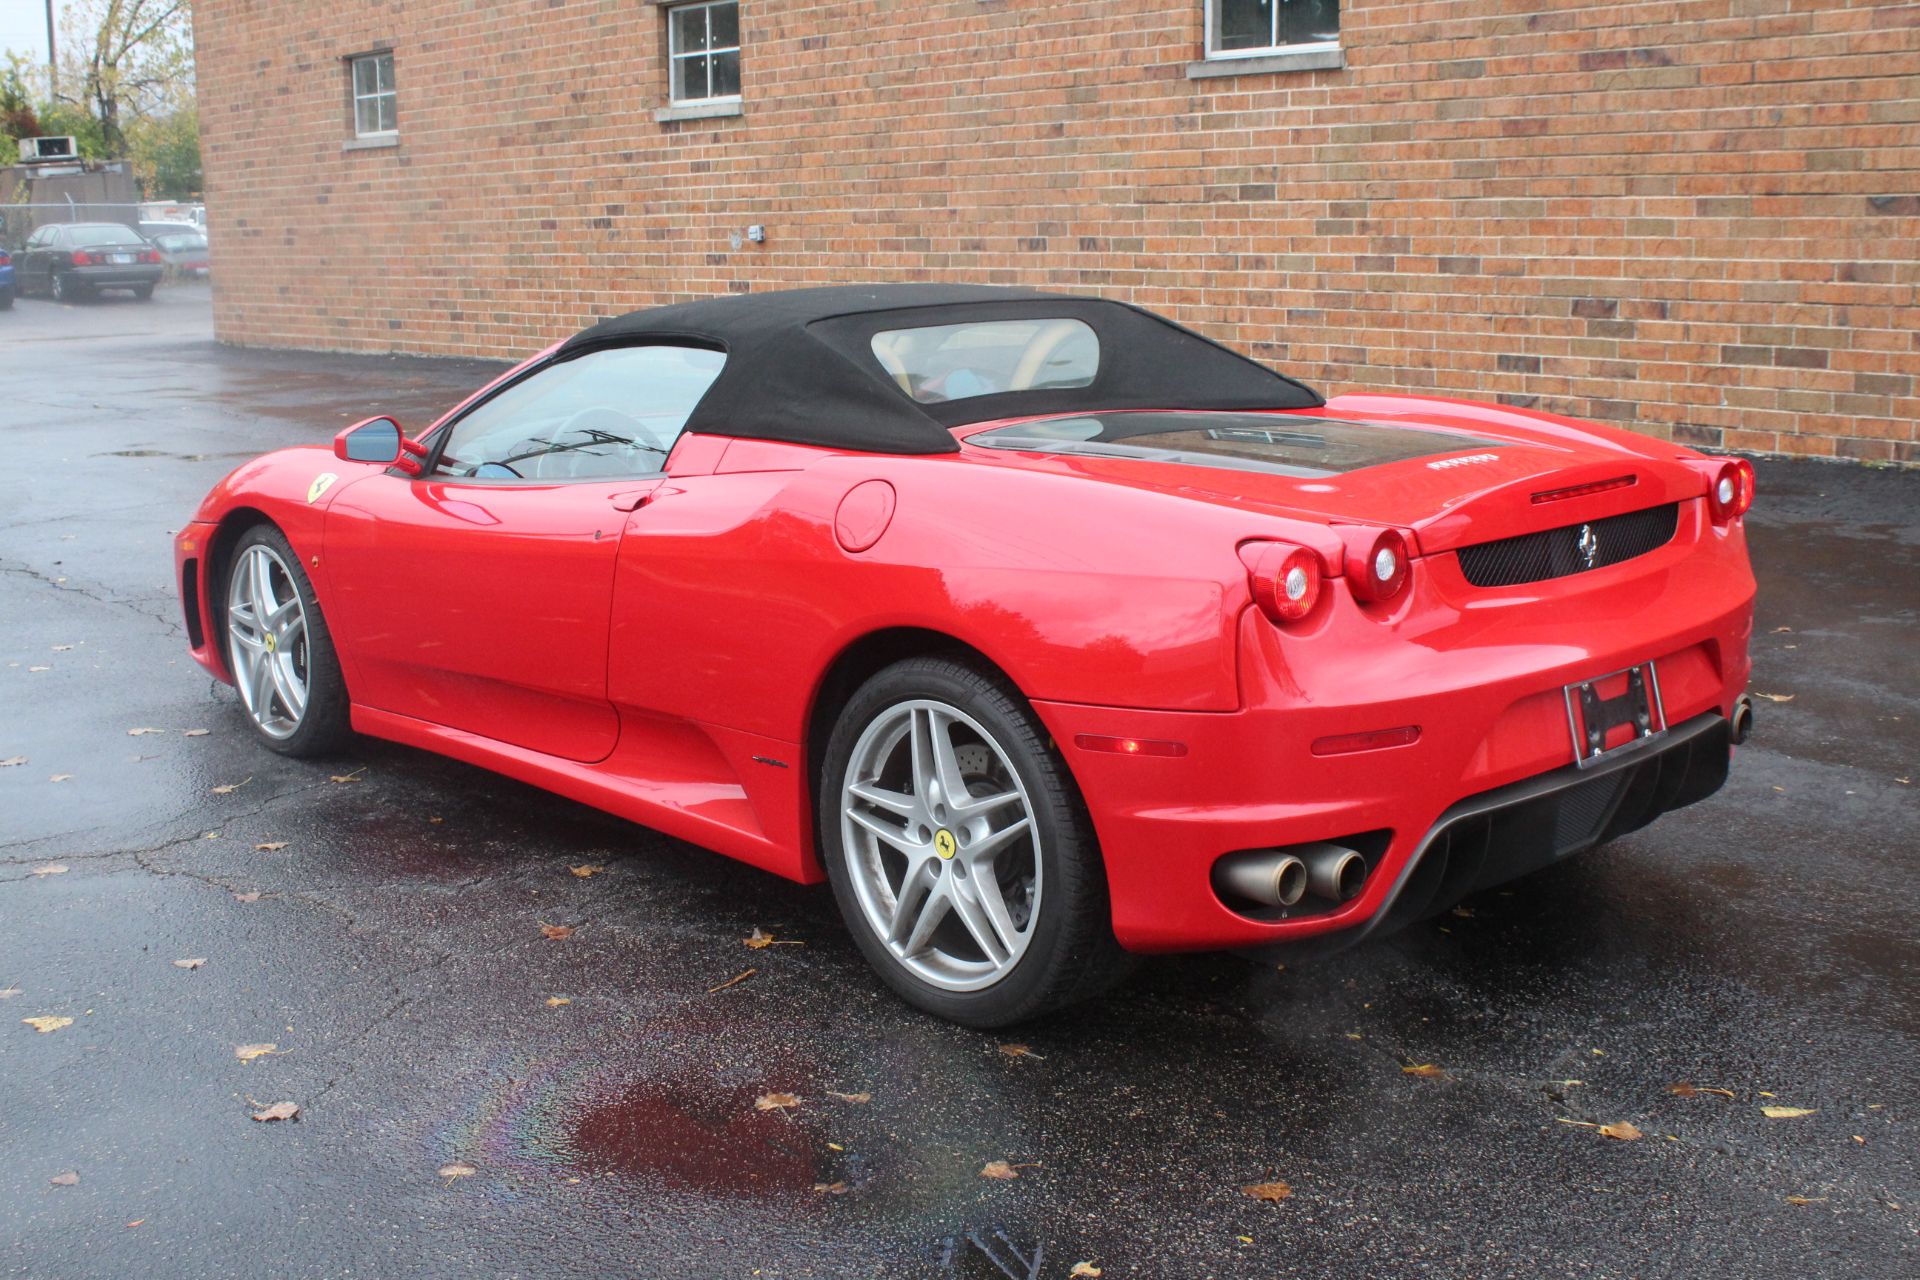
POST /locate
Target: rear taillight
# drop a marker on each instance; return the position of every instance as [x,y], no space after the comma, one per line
[150,255]
[1730,492]
[1285,579]
[1377,570]
[6,259]
[81,258]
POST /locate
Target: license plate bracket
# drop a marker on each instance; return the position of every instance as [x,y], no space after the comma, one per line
[1597,707]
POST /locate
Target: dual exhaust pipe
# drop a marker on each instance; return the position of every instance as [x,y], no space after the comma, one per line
[1740,724]
[1281,877]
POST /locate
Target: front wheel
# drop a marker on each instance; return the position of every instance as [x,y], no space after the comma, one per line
[959,850]
[280,651]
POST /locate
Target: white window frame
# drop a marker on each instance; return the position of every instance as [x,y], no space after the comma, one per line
[355,97]
[1262,51]
[675,55]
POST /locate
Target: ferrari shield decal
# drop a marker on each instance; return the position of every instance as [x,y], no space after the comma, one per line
[321,483]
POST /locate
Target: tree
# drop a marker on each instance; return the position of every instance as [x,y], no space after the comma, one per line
[127,60]
[165,151]
[18,118]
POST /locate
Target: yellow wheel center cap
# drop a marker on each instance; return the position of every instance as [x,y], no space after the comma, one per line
[272,644]
[943,843]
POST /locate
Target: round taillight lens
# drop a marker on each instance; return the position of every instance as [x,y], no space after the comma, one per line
[1731,495]
[1285,579]
[1380,572]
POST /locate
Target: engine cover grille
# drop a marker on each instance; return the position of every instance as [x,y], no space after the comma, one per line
[1570,549]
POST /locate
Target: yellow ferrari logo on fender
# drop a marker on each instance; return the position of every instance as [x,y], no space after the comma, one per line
[321,483]
[943,843]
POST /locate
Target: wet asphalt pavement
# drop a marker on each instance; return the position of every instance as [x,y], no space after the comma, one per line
[1762,943]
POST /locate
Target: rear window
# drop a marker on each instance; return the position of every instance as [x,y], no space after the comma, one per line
[1294,445]
[86,236]
[180,243]
[945,362]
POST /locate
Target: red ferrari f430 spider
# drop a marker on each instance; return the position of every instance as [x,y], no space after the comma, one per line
[1043,629]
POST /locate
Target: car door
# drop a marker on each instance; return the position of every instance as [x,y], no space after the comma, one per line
[33,264]
[478,596]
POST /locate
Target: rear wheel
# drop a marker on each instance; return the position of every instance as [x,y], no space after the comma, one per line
[959,850]
[280,651]
[62,289]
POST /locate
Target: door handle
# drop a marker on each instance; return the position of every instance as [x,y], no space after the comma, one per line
[631,500]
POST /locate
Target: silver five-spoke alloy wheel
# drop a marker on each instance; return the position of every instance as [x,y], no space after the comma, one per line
[941,846]
[267,640]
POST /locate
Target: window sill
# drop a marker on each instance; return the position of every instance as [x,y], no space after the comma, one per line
[700,111]
[376,143]
[1297,60]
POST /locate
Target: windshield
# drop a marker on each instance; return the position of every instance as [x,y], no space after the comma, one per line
[89,236]
[957,361]
[181,243]
[1292,444]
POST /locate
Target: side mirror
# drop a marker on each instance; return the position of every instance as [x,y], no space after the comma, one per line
[379,440]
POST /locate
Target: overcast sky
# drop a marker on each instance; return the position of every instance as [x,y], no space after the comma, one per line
[23,26]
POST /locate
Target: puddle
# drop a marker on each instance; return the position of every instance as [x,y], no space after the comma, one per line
[706,1139]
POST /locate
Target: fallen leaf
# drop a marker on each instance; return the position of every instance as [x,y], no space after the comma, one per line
[248,1052]
[211,835]
[47,1025]
[61,648]
[11,761]
[67,1179]
[850,1097]
[1776,697]
[190,964]
[136,1222]
[1355,1035]
[1021,1051]
[50,869]
[775,1102]
[195,733]
[1779,630]
[8,993]
[436,821]
[59,777]
[228,788]
[734,980]
[1425,1070]
[141,733]
[452,1171]
[999,1170]
[1273,1192]
[271,846]
[1806,1199]
[834,1146]
[1465,913]
[38,669]
[1084,1269]
[831,1188]
[557,931]
[554,1002]
[278,1111]
[589,869]
[349,777]
[1689,1091]
[1622,1131]
[247,897]
[1786,1113]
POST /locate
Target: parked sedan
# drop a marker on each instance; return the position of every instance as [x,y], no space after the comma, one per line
[1040,627]
[184,253]
[6,280]
[71,260]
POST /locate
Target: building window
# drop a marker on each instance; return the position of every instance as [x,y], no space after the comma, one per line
[1251,28]
[374,113]
[703,51]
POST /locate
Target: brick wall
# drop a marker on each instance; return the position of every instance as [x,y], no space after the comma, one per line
[1695,217]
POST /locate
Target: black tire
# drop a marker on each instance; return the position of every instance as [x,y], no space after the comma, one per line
[62,289]
[1072,954]
[143,292]
[6,299]
[324,727]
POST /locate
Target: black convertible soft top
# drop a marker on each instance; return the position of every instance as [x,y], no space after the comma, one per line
[800,368]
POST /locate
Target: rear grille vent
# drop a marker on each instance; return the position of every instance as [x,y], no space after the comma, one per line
[1570,549]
